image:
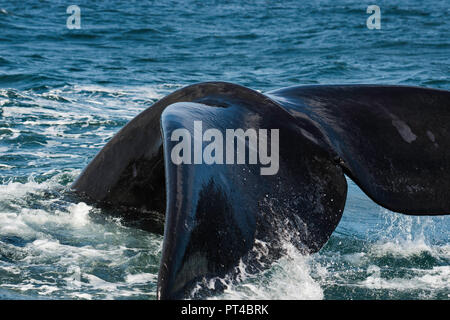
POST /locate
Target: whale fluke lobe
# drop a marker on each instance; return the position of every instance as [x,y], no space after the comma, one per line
[393,141]
[231,170]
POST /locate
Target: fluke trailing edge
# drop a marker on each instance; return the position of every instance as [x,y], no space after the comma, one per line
[393,141]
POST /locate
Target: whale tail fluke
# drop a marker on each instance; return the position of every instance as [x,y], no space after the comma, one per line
[280,175]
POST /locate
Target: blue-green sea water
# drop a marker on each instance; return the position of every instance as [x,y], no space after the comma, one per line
[65,92]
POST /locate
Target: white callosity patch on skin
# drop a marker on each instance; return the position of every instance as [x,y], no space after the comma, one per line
[404,130]
[432,138]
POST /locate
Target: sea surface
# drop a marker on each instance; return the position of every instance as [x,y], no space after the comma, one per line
[65,92]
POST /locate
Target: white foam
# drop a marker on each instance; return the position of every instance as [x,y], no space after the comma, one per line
[400,248]
[140,278]
[435,278]
[3,102]
[79,214]
[85,296]
[288,279]
[18,190]
[47,289]
[11,269]
[12,224]
[99,283]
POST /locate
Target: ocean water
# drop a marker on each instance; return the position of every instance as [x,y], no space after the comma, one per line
[65,92]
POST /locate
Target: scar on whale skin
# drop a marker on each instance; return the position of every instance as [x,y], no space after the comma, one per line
[404,130]
[214,215]
[432,138]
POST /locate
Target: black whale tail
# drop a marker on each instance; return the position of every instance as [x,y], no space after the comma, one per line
[393,141]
